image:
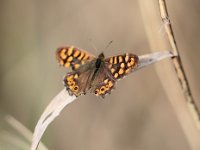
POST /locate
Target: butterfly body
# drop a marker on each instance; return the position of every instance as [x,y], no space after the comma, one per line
[97,75]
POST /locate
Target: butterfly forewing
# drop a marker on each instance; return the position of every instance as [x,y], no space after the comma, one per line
[73,57]
[121,65]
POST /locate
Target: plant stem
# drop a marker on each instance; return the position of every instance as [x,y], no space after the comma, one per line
[165,71]
[178,63]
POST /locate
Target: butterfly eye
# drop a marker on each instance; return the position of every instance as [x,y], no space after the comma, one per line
[75,88]
[102,90]
[71,83]
[96,92]
[131,62]
[107,87]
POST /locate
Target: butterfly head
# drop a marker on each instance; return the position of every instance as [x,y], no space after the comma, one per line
[101,56]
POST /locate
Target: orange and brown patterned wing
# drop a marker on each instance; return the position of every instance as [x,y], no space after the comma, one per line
[73,57]
[114,69]
[104,82]
[122,65]
[77,82]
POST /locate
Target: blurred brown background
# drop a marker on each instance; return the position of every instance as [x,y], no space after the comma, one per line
[136,116]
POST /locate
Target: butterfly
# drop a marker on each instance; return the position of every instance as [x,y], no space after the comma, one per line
[95,74]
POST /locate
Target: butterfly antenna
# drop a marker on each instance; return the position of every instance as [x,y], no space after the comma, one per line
[108,44]
[93,45]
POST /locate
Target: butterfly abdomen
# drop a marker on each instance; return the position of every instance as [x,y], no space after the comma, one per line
[98,63]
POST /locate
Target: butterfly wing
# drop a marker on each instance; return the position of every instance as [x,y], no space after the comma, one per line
[73,57]
[122,65]
[103,82]
[78,82]
[113,69]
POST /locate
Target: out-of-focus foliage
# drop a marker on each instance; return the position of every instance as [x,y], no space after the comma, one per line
[15,136]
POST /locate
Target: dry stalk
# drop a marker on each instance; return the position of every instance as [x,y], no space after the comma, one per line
[178,63]
[167,75]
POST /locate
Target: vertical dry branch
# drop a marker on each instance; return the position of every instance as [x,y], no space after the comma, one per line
[178,64]
[166,73]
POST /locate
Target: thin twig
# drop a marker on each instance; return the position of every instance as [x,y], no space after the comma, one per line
[178,63]
[167,75]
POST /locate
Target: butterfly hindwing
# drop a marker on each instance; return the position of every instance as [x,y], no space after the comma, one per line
[104,88]
[70,56]
[103,82]
[121,65]
[78,82]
